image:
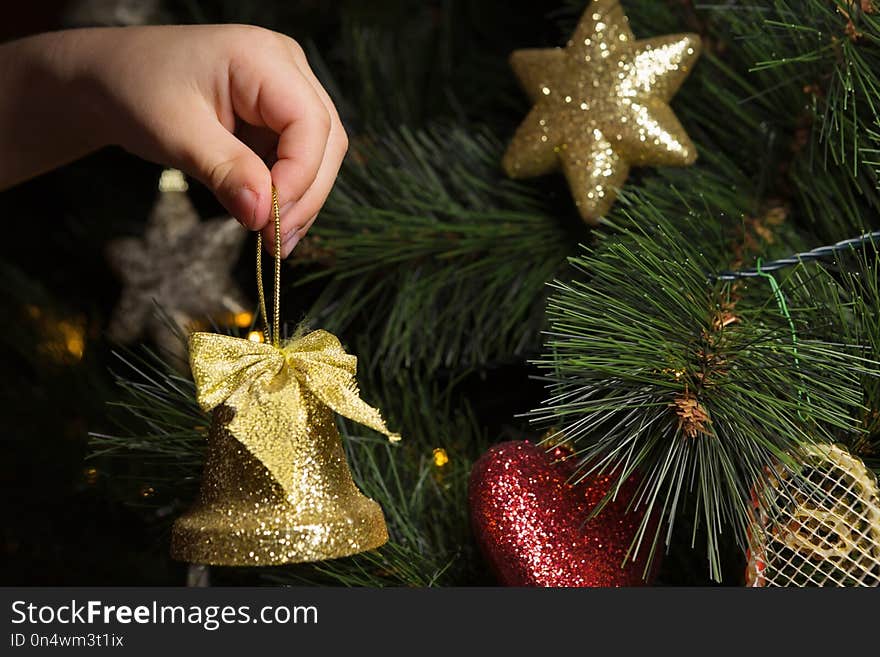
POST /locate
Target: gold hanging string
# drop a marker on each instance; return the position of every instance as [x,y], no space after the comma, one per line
[272,335]
[265,317]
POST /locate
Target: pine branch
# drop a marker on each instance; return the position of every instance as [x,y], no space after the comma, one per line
[158,434]
[390,281]
[797,83]
[698,385]
[429,251]
[858,273]
[814,70]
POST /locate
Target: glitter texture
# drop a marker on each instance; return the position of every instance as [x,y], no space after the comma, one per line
[183,265]
[276,487]
[532,524]
[601,106]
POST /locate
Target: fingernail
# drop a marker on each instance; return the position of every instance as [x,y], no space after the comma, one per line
[246,199]
[284,208]
[289,244]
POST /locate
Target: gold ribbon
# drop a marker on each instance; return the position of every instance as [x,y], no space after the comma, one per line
[274,388]
[269,388]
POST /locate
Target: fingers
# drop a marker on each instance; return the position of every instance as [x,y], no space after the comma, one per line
[273,92]
[288,242]
[293,238]
[261,141]
[236,174]
[297,216]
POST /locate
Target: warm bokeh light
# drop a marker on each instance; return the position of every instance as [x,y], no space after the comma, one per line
[244,319]
[91,475]
[73,336]
[61,340]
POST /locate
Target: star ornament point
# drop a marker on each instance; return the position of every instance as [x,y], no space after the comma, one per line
[178,275]
[601,106]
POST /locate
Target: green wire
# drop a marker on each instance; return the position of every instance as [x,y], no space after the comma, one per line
[783,308]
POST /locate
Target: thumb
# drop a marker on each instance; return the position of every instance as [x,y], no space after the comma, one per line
[239,178]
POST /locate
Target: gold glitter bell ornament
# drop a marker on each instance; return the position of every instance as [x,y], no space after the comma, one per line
[276,486]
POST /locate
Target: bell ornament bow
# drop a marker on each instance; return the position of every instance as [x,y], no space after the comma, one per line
[277,387]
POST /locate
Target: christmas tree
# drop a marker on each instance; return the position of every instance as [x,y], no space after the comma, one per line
[690,325]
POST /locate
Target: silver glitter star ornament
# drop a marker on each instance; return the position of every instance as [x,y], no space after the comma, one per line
[178,276]
[601,106]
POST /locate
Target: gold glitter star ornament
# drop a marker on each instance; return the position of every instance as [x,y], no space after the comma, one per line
[601,107]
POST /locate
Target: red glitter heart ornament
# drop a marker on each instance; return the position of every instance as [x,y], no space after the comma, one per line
[532,526]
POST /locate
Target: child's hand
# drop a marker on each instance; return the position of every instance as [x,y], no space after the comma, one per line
[214,101]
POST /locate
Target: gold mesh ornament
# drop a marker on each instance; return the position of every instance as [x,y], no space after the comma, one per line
[817,527]
[276,486]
